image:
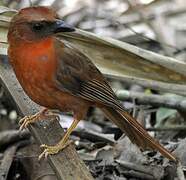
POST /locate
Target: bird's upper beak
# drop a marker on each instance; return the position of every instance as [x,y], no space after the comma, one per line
[61,26]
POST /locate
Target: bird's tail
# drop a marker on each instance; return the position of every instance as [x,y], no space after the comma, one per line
[136,133]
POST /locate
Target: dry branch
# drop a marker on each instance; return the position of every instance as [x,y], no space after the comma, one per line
[142,170]
[136,167]
[152,99]
[168,128]
[66,164]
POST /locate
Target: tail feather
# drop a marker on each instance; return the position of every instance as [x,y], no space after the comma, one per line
[136,133]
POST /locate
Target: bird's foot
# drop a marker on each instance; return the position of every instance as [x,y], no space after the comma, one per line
[43,114]
[49,150]
[24,122]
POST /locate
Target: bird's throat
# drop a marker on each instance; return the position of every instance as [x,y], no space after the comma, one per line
[34,49]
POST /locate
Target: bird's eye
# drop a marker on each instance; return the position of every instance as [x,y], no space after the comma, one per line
[37,26]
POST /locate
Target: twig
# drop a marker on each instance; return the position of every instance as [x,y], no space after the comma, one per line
[93,136]
[166,128]
[157,85]
[12,136]
[140,168]
[154,100]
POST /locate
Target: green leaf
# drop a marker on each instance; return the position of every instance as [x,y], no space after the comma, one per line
[162,114]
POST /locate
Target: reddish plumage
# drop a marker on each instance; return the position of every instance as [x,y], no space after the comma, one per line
[57,76]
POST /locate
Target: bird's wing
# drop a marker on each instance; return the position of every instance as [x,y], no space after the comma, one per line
[77,75]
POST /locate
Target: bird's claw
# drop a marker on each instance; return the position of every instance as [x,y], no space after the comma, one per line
[49,150]
[45,114]
[24,122]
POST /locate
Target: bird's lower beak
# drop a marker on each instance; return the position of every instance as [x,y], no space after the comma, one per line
[61,26]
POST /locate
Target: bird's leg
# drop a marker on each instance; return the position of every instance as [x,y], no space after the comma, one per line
[43,114]
[61,145]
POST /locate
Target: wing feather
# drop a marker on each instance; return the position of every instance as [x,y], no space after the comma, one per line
[77,75]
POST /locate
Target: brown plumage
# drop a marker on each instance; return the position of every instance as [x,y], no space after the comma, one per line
[57,76]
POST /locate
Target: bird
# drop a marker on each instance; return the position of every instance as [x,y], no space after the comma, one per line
[56,75]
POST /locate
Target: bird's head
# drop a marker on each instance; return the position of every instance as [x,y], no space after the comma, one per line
[35,23]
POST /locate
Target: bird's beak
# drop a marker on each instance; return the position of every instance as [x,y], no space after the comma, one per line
[61,26]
